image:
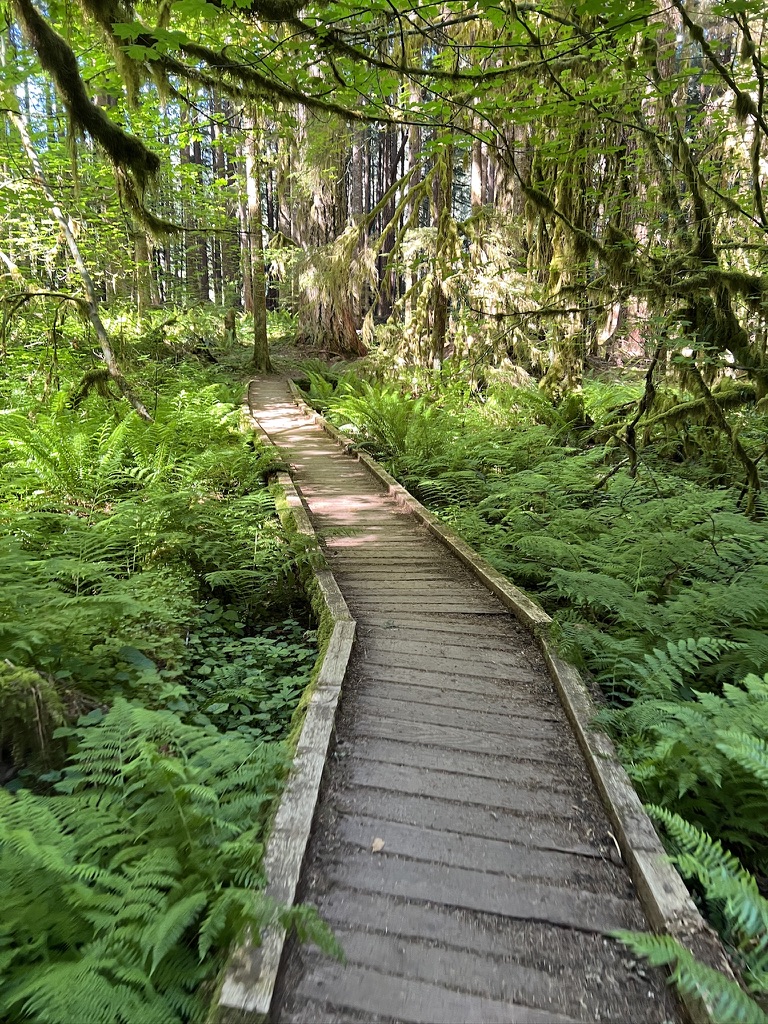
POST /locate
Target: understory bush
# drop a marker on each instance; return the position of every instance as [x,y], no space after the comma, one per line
[122,892]
[153,651]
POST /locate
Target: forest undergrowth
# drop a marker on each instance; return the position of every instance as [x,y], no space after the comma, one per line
[657,581]
[154,645]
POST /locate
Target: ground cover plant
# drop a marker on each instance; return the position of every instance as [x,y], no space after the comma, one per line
[153,650]
[657,580]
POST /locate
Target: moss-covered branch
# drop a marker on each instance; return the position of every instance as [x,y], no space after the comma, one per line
[58,60]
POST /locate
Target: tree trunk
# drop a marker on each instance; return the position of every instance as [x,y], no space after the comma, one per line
[142,270]
[442,216]
[261,360]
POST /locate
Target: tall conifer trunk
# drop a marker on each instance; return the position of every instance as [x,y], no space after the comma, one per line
[261,360]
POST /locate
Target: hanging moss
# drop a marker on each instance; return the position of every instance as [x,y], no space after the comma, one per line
[58,59]
[106,14]
[744,106]
[97,380]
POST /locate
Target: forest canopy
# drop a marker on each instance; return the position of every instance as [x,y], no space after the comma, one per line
[611,156]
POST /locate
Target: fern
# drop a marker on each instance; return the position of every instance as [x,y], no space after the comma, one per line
[750,752]
[166,514]
[395,424]
[705,757]
[729,891]
[728,1002]
[668,671]
[137,561]
[189,808]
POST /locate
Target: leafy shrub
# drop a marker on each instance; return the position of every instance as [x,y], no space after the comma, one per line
[705,757]
[122,893]
[244,684]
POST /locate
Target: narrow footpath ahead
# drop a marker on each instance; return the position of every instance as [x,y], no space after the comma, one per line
[460,852]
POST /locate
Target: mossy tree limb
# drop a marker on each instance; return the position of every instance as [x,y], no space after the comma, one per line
[59,61]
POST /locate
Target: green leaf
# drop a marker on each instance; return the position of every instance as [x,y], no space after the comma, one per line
[171,925]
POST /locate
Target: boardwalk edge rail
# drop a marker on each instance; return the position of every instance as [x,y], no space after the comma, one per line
[248,986]
[661,891]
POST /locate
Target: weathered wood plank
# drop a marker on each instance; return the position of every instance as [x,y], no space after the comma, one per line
[328,527]
[475,890]
[502,656]
[501,687]
[457,666]
[393,545]
[372,575]
[463,628]
[521,942]
[368,555]
[504,725]
[438,607]
[524,826]
[479,975]
[461,789]
[458,700]
[491,856]
[337,655]
[410,589]
[486,766]
[455,738]
[461,633]
[414,1002]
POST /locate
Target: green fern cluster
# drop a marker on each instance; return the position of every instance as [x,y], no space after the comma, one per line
[122,893]
[112,532]
[143,570]
[705,756]
[399,427]
[730,892]
[734,902]
[85,460]
[318,381]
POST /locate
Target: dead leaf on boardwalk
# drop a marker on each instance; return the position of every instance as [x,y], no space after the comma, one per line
[377,844]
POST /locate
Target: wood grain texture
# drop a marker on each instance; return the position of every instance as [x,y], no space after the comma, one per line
[459,845]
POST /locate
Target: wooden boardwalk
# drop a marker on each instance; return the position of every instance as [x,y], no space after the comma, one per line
[460,852]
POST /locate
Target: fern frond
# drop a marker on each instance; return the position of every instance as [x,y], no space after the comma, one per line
[728,1002]
[165,932]
[751,752]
